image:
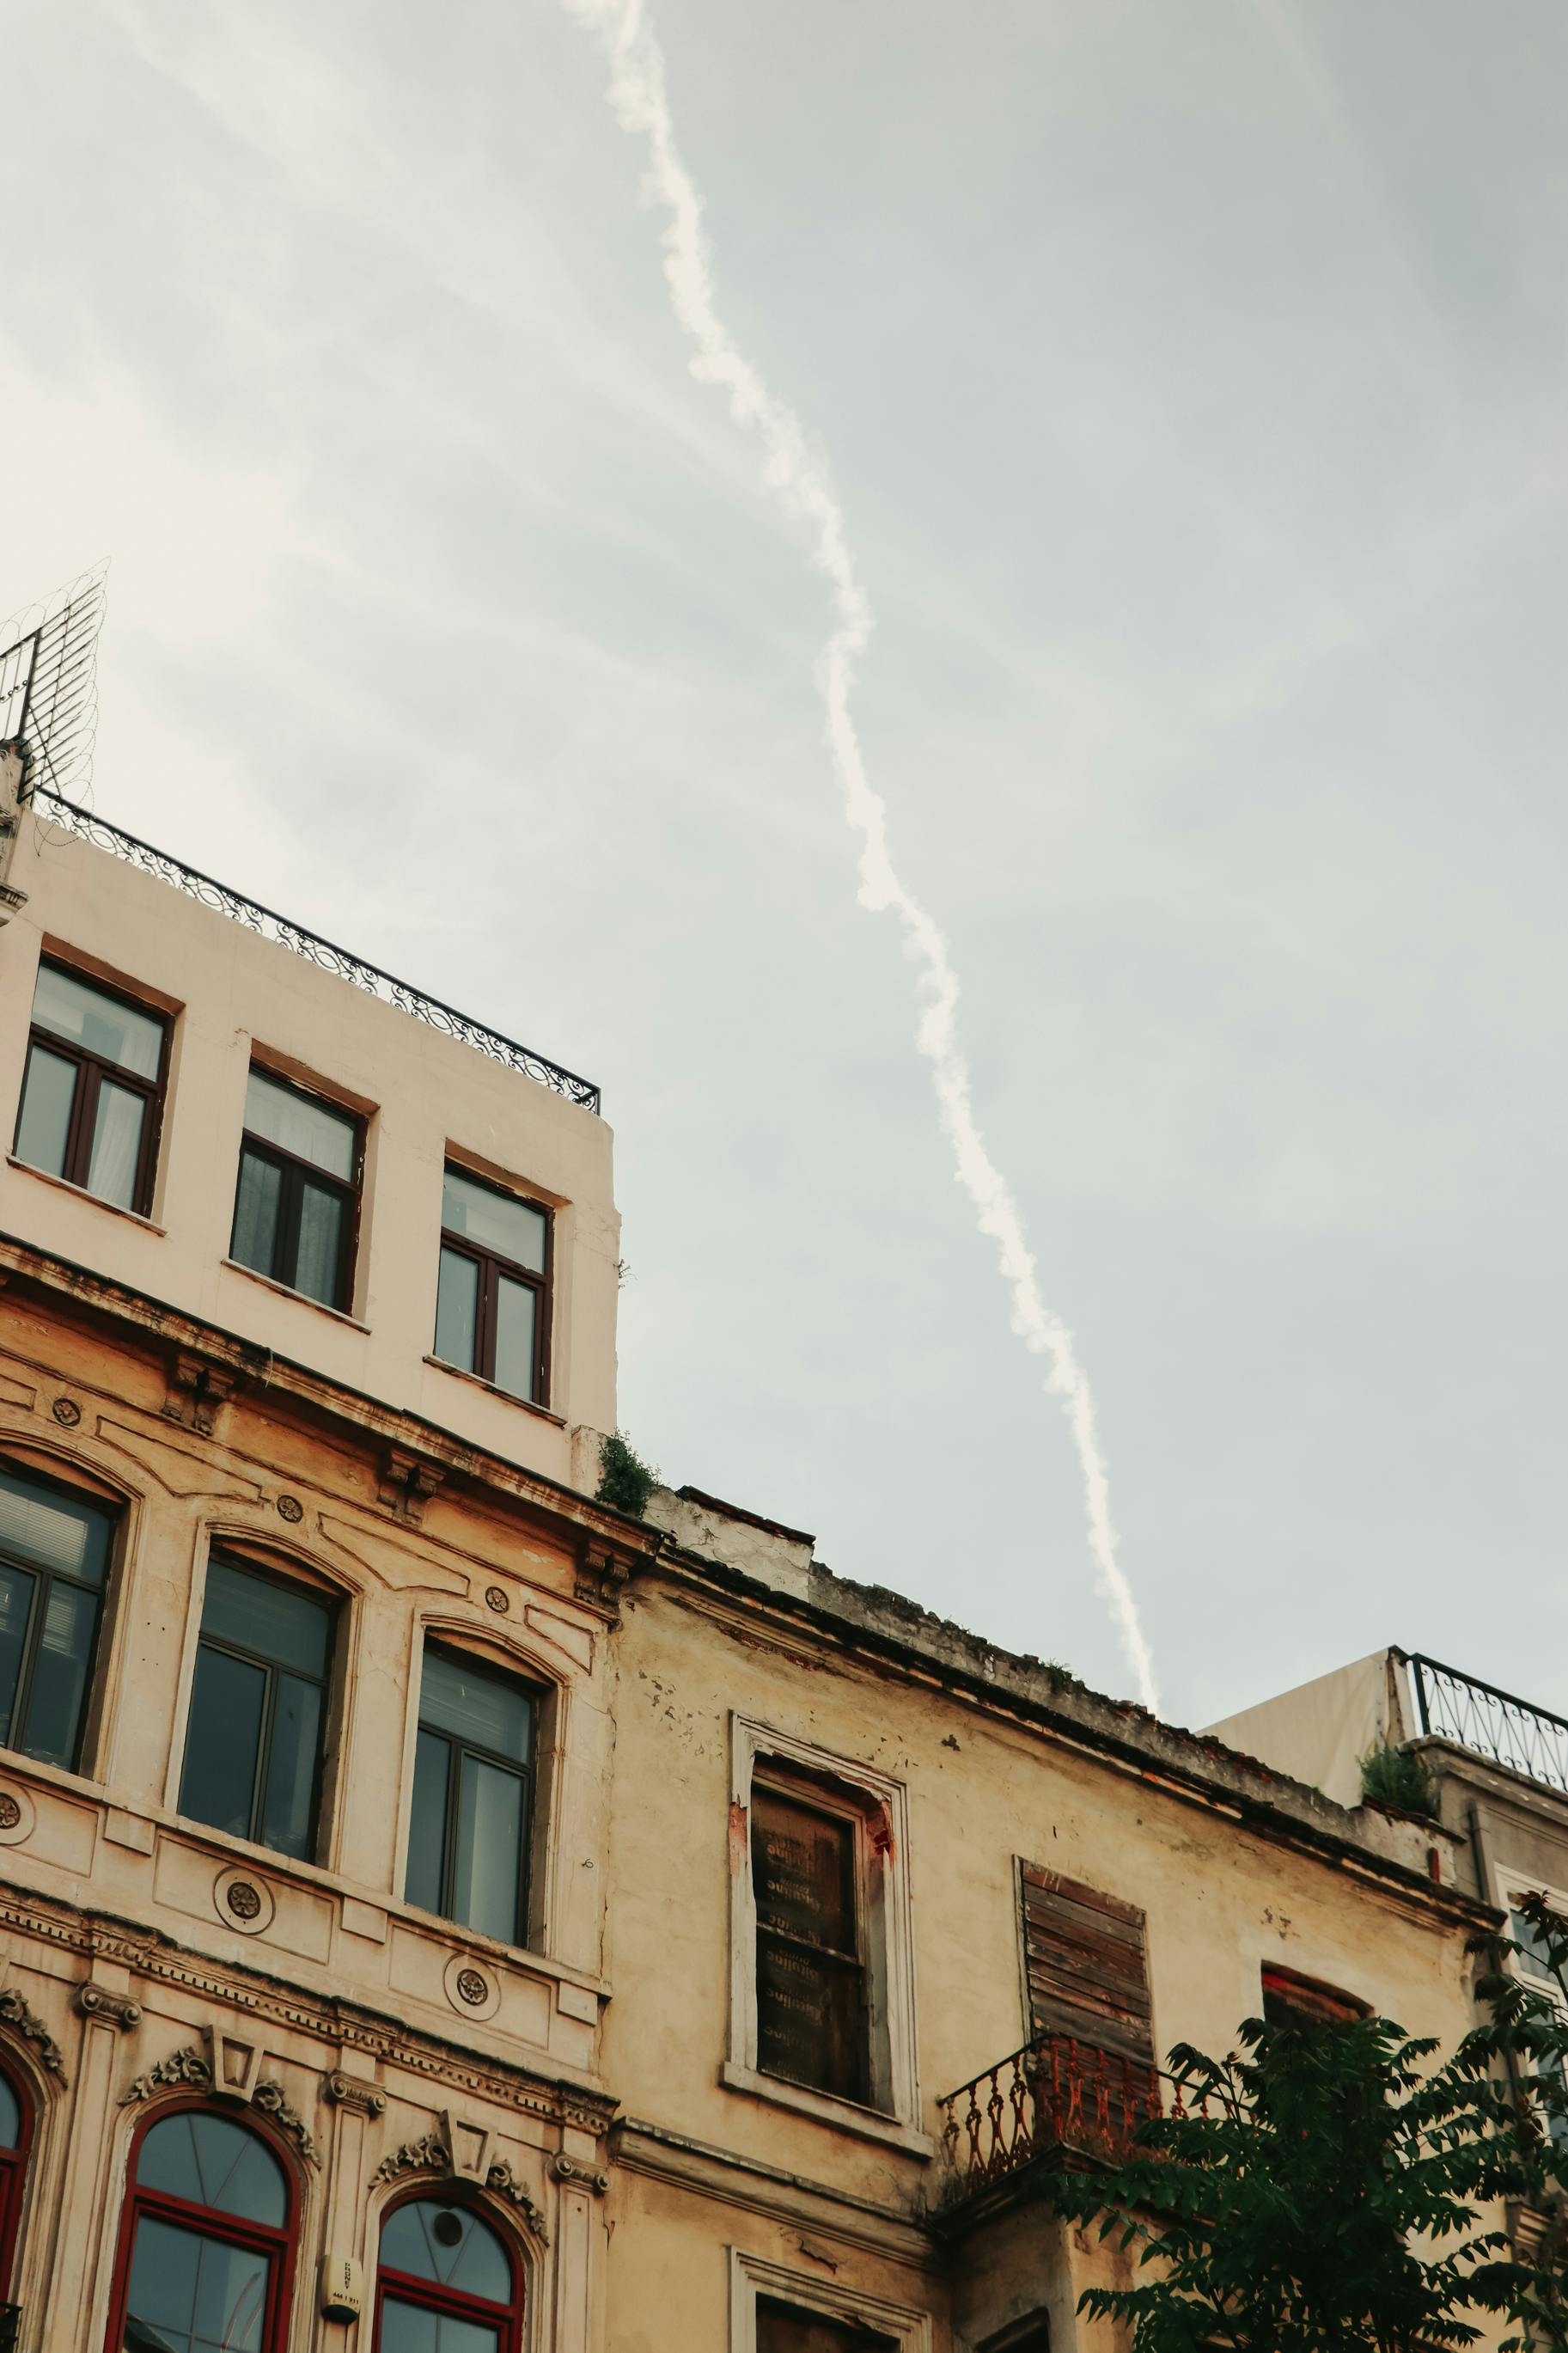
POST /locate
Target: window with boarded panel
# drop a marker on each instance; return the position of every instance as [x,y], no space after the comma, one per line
[812,2018]
[1291,2000]
[785,2328]
[1085,1960]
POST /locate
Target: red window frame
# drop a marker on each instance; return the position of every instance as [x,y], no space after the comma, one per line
[281,2244]
[13,2174]
[451,2303]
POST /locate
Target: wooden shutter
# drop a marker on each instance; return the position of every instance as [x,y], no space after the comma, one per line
[1085,1961]
[811,1989]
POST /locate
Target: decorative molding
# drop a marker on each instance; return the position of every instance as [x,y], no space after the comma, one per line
[97,2002]
[14,2011]
[407,1482]
[502,2182]
[585,2176]
[271,2099]
[430,2155]
[185,2068]
[340,2091]
[198,1388]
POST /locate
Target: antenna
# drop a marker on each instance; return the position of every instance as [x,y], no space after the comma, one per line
[49,684]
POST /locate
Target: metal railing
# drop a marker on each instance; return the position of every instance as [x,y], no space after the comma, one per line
[312,947]
[1056,2095]
[1492,1723]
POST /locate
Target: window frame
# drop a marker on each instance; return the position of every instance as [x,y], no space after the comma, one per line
[1306,2001]
[332,1602]
[453,2303]
[115,1514]
[294,1172]
[754,2280]
[92,1069]
[492,1265]
[536,1697]
[231,2229]
[13,2164]
[768,1780]
[1510,1884]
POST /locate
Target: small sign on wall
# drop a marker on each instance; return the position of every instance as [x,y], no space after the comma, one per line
[343,2288]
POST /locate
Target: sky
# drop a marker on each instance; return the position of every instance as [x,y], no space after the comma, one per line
[1192,379]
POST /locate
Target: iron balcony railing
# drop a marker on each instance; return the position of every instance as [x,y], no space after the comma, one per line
[1475,1716]
[310,944]
[1056,2096]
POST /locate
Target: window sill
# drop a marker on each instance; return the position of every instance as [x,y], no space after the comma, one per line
[319,1307]
[80,1193]
[492,1389]
[842,2114]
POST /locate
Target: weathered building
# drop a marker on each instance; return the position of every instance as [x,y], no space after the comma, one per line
[442,1915]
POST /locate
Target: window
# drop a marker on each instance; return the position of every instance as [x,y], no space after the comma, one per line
[473,1797]
[298,1201]
[446,2283]
[813,2006]
[775,2310]
[1085,1965]
[54,1562]
[205,2253]
[16,2136]
[1531,1964]
[1291,2000]
[253,1750]
[93,1094]
[492,1299]
[786,2328]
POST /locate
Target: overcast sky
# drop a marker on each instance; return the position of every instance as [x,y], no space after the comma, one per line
[1194,377]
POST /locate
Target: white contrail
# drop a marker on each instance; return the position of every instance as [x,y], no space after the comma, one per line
[799,478]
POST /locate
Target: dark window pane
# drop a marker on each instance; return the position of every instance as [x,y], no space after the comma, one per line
[803,1866]
[404,2329]
[47,1096]
[490,1711]
[212,2161]
[255,1242]
[516,1309]
[810,2023]
[322,1215]
[10,2116]
[475,2263]
[274,1623]
[300,1126]
[224,1742]
[53,1728]
[53,1531]
[17,1592]
[494,1221]
[489,1861]
[456,1309]
[427,1821]
[73,1008]
[288,1811]
[780,2329]
[196,2294]
[116,1144]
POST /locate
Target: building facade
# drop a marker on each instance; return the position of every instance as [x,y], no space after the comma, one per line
[441,1914]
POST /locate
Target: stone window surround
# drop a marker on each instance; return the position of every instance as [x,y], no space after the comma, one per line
[750,1743]
[753,2277]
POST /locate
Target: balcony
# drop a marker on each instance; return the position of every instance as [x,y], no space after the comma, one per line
[1057,2098]
[1493,1724]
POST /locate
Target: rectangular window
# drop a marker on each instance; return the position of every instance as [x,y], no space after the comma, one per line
[93,1094]
[1291,2000]
[297,1201]
[473,1797]
[812,2012]
[1084,1963]
[786,2328]
[54,1563]
[1532,1966]
[492,1301]
[253,1751]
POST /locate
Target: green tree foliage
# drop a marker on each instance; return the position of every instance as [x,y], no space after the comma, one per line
[1336,2188]
[626,1480]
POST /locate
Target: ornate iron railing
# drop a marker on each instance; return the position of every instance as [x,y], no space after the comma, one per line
[1475,1716]
[1056,2096]
[316,950]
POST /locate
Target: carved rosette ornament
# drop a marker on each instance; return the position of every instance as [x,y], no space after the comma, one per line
[14,2011]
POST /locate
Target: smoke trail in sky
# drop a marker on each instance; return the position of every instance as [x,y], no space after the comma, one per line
[640,100]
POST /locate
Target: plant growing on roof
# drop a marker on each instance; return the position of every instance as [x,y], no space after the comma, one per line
[626,1480]
[1396,1777]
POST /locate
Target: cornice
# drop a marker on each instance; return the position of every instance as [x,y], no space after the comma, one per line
[904,2234]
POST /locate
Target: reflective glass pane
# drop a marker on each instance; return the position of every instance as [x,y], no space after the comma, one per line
[300,1125]
[427,1821]
[209,2161]
[256,1207]
[17,1592]
[222,1746]
[488,1709]
[53,1531]
[430,2240]
[116,1155]
[53,1728]
[194,2293]
[276,1622]
[517,1308]
[10,2116]
[456,1309]
[322,1217]
[89,1017]
[487,1866]
[288,1808]
[495,1221]
[47,1095]
[407,2330]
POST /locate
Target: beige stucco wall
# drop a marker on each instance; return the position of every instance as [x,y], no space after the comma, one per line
[1319,1731]
[425,1093]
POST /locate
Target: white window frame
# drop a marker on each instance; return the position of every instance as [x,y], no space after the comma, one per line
[1510,1884]
[884,1895]
[753,2277]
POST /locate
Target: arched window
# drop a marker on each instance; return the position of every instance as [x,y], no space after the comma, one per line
[207,2251]
[15,2137]
[447,2283]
